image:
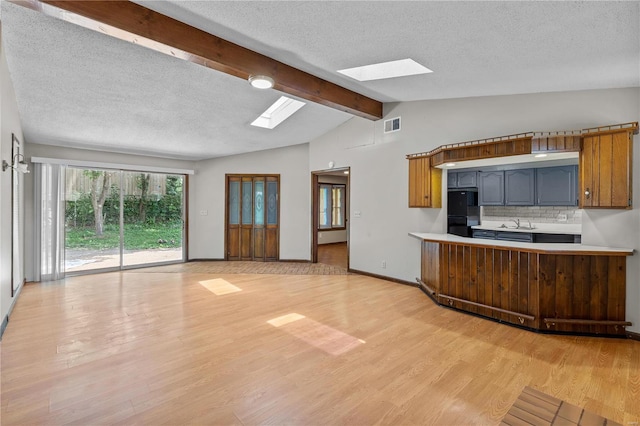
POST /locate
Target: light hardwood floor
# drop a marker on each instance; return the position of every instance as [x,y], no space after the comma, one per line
[147,347]
[333,254]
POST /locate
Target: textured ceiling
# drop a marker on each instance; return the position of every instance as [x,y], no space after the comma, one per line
[84,89]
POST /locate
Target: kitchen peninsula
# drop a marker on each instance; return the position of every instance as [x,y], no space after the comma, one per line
[549,287]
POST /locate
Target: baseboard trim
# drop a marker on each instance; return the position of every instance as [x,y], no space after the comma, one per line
[268,261]
[205,260]
[382,277]
[633,336]
[5,320]
[3,326]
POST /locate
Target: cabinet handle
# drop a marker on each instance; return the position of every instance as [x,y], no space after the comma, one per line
[587,194]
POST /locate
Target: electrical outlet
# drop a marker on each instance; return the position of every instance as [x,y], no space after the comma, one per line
[204,212]
[562,218]
[384,264]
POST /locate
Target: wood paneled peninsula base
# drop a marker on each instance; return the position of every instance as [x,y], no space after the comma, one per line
[563,288]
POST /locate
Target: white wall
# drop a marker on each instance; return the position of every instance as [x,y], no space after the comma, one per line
[207,193]
[9,123]
[47,151]
[331,237]
[379,170]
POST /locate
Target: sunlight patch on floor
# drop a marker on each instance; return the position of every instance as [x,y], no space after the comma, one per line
[218,286]
[285,319]
[323,337]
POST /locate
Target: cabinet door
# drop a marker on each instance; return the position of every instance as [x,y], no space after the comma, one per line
[484,233]
[605,171]
[452,180]
[514,236]
[467,179]
[425,183]
[491,188]
[519,187]
[556,186]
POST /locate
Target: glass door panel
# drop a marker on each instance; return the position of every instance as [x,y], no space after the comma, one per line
[152,218]
[272,203]
[234,209]
[259,203]
[258,219]
[234,203]
[92,219]
[246,230]
[272,227]
[247,190]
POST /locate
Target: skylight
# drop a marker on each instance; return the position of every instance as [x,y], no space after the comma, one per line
[282,109]
[400,68]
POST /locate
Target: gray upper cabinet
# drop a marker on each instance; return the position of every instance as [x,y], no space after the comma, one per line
[519,187]
[491,188]
[452,179]
[557,186]
[462,179]
[467,179]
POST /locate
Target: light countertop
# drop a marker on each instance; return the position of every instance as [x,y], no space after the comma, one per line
[531,247]
[538,228]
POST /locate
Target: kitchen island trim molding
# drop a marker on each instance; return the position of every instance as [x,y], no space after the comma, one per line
[542,248]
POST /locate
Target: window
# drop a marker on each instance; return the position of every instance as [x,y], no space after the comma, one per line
[332,206]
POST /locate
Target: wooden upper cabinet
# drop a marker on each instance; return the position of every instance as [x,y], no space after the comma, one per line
[425,183]
[605,170]
[604,179]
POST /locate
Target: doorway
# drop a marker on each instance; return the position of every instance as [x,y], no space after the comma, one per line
[330,217]
[252,217]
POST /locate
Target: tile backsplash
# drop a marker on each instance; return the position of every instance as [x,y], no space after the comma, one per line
[536,214]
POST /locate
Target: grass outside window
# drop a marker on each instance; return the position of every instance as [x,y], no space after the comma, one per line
[136,237]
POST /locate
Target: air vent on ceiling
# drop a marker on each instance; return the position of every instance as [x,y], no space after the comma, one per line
[392,125]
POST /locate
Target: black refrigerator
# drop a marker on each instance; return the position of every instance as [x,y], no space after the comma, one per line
[463,212]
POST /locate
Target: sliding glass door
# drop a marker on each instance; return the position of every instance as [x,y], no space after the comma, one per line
[152,218]
[119,219]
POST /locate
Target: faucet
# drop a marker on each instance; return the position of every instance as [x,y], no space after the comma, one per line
[517,221]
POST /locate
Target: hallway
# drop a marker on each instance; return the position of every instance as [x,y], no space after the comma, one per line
[335,254]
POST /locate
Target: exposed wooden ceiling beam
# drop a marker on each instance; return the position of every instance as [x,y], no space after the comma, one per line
[137,24]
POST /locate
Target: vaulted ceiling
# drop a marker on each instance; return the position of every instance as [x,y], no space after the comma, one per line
[80,88]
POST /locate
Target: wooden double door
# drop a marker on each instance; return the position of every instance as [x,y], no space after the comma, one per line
[252,217]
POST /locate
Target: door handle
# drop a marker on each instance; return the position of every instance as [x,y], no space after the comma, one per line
[587,193]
